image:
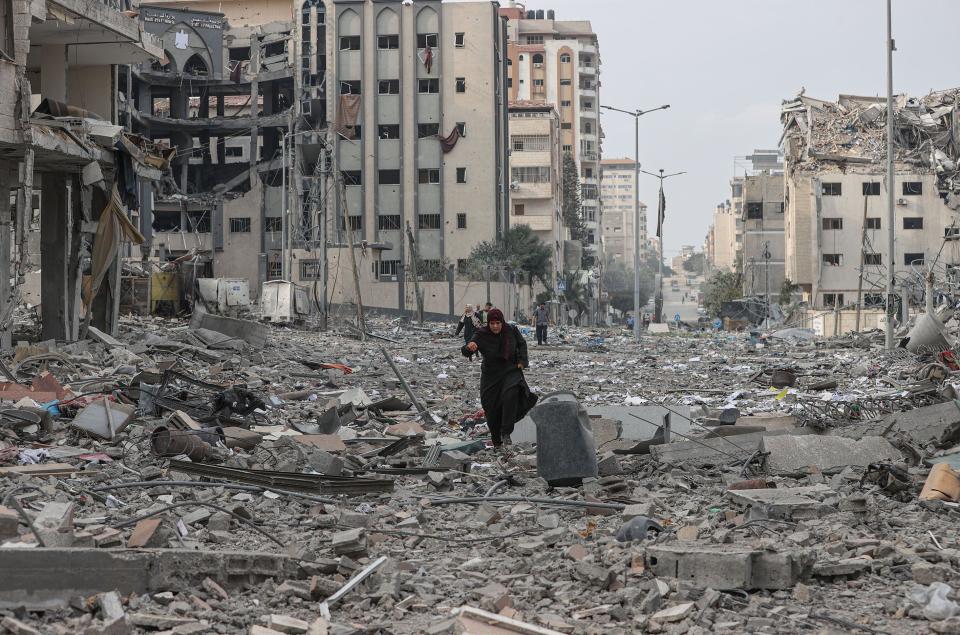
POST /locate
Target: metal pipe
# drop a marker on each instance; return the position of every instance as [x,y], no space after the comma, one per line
[494,488]
[284,228]
[524,499]
[891,210]
[636,227]
[213,485]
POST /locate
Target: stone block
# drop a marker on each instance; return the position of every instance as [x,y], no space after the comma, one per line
[350,542]
[54,524]
[727,567]
[782,503]
[791,453]
[145,534]
[287,624]
[325,463]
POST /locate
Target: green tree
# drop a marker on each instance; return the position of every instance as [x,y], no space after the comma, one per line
[694,264]
[722,286]
[572,206]
[520,250]
[618,283]
[787,289]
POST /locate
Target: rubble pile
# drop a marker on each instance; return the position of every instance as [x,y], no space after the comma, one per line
[223,476]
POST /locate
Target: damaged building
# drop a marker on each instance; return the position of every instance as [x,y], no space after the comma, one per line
[836,194]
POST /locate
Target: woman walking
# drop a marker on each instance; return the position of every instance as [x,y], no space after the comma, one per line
[504,394]
[468,324]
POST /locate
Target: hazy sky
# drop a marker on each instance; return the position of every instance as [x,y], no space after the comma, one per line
[725,66]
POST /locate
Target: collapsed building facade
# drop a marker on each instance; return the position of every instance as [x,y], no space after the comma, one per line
[835,220]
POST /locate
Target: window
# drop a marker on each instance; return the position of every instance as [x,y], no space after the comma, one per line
[233,151]
[755,211]
[534,39]
[567,148]
[872,259]
[356,222]
[461,264]
[428,176]
[425,130]
[462,127]
[274,224]
[275,271]
[458,39]
[461,175]
[540,174]
[240,225]
[509,82]
[565,82]
[352,177]
[913,223]
[834,260]
[873,299]
[912,259]
[461,221]
[388,131]
[389,87]
[912,188]
[389,268]
[425,86]
[871,189]
[389,177]
[309,269]
[350,43]
[565,103]
[833,299]
[566,126]
[538,83]
[350,87]
[6,29]
[873,222]
[538,60]
[388,42]
[565,59]
[531,143]
[518,209]
[831,189]
[427,39]
[428,221]
[461,84]
[951,233]
[587,105]
[830,223]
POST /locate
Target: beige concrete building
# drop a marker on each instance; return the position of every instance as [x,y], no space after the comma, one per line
[722,239]
[558,62]
[836,196]
[617,193]
[762,255]
[535,176]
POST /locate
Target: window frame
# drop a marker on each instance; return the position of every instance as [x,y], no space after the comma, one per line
[461,175]
[389,37]
[915,221]
[827,260]
[831,188]
[424,40]
[429,82]
[388,226]
[461,220]
[459,39]
[912,188]
[429,173]
[350,40]
[871,188]
[392,86]
[461,84]
[426,222]
[389,172]
[238,226]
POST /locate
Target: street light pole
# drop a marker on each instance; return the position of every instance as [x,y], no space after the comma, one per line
[636,209]
[891,210]
[658,303]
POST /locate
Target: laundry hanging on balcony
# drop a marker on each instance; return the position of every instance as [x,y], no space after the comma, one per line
[347,115]
[449,142]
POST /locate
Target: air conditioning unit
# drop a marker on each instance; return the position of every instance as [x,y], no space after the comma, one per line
[514,185]
[901,201]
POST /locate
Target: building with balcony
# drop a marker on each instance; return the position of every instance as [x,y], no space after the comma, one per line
[558,62]
[618,190]
[535,176]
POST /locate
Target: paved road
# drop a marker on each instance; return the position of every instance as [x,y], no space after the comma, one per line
[673,304]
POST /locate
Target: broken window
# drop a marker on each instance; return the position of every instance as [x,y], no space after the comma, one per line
[427,39]
[425,130]
[912,259]
[352,177]
[461,84]
[233,151]
[458,39]
[356,222]
[828,223]
[389,87]
[461,221]
[428,176]
[349,42]
[871,188]
[195,66]
[755,211]
[872,259]
[913,222]
[831,189]
[165,221]
[518,209]
[428,221]
[351,87]
[240,225]
[834,260]
[310,269]
[873,222]
[274,224]
[873,299]
[951,233]
[462,128]
[275,270]
[461,175]
[426,86]
[912,188]
[388,222]
[6,30]
[833,299]
[389,177]
[388,131]
[388,42]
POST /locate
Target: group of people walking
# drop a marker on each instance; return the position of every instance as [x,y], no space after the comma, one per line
[504,394]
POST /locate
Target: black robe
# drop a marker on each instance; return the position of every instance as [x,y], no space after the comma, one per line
[500,374]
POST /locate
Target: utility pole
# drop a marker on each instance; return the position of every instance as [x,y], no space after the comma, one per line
[863,258]
[284,207]
[361,322]
[416,277]
[891,185]
[659,302]
[636,114]
[322,236]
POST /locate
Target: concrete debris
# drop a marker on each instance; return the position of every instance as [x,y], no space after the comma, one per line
[322,487]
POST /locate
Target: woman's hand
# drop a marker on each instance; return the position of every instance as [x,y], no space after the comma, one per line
[472,347]
[520,366]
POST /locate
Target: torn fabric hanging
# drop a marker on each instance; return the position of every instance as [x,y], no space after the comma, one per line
[112,229]
[661,212]
[235,72]
[449,142]
[426,58]
[347,115]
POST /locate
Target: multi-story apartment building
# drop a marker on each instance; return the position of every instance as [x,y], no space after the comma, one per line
[836,195]
[721,249]
[617,193]
[535,176]
[558,62]
[763,243]
[736,205]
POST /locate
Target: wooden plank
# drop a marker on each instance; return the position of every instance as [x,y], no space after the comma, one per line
[45,469]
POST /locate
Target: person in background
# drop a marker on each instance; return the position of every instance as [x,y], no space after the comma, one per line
[468,323]
[541,319]
[484,314]
[504,393]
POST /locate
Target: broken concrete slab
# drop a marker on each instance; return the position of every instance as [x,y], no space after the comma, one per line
[783,503]
[253,333]
[473,621]
[790,453]
[728,566]
[104,418]
[938,425]
[716,451]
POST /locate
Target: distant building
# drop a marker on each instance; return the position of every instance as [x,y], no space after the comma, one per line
[763,243]
[721,249]
[618,190]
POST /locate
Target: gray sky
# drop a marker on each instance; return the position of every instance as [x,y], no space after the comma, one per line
[725,67]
